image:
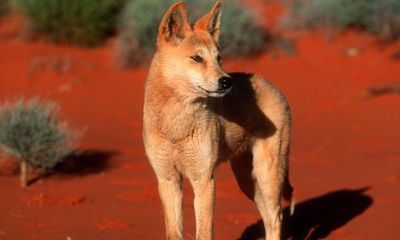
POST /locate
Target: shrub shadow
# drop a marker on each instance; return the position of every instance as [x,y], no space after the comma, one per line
[318,217]
[80,163]
[85,162]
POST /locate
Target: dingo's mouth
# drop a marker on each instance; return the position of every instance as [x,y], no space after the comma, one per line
[217,93]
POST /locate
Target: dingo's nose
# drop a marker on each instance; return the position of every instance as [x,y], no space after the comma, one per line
[225,83]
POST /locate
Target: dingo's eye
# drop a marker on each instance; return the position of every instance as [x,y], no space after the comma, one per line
[197,58]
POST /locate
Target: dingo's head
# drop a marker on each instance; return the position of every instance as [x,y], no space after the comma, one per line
[188,56]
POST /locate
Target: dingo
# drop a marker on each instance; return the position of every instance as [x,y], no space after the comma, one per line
[196,115]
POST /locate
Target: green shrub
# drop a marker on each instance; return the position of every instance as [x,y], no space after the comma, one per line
[381,18]
[139,22]
[4,7]
[81,22]
[31,131]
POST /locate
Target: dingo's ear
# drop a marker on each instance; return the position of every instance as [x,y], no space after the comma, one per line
[174,24]
[211,22]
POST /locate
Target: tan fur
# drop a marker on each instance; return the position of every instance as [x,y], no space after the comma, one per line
[189,127]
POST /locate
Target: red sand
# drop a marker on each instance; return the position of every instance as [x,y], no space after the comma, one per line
[345,159]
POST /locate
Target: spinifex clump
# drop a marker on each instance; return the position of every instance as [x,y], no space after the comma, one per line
[84,23]
[32,132]
[381,18]
[242,34]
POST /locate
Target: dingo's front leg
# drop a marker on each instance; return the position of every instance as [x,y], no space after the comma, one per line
[204,202]
[170,189]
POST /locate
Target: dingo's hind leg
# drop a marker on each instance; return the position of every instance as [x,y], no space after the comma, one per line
[262,177]
[270,171]
[269,180]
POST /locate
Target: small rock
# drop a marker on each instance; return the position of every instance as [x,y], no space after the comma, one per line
[352,52]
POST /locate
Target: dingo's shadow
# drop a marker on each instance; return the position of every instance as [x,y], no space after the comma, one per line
[318,217]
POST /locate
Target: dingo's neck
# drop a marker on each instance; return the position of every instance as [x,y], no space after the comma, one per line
[177,116]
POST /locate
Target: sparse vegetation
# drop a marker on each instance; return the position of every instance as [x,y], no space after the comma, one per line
[383,90]
[81,22]
[139,22]
[31,131]
[381,18]
[4,7]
